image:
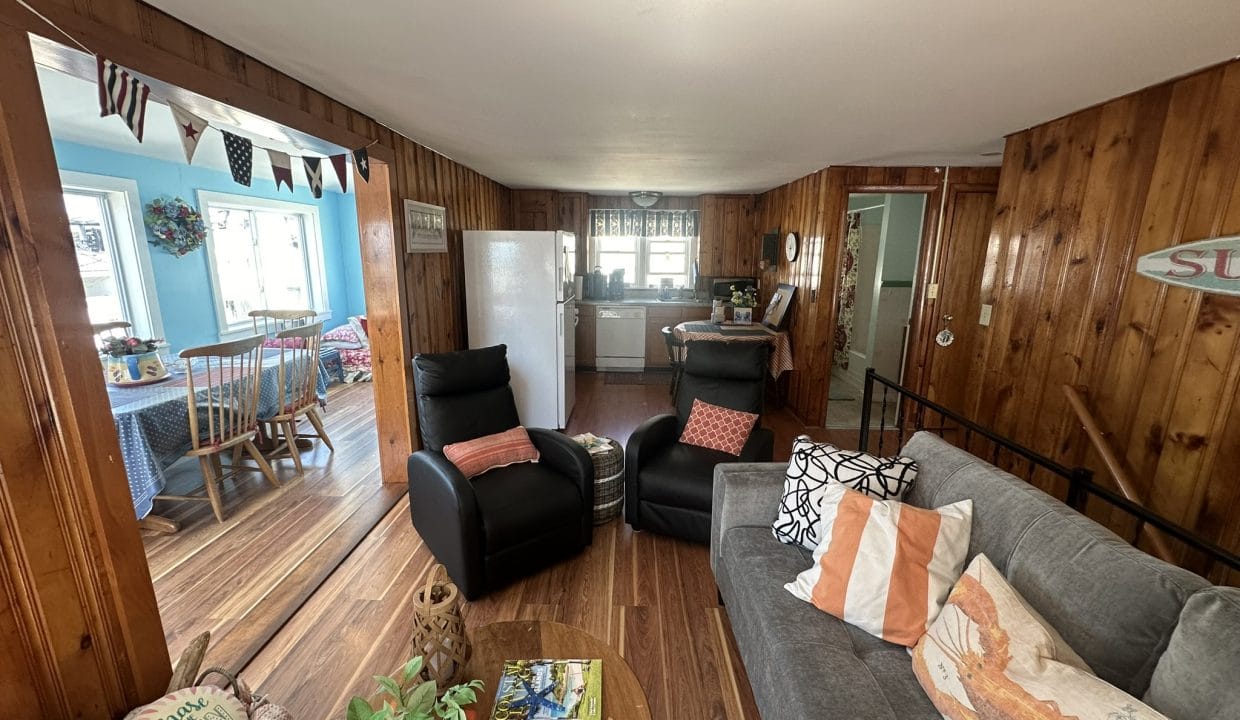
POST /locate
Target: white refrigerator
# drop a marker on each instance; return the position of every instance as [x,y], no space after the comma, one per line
[519,292]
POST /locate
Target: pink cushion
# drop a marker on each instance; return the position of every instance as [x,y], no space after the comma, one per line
[718,428]
[474,457]
[293,342]
[343,337]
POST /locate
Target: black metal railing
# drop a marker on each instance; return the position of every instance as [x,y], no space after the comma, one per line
[908,412]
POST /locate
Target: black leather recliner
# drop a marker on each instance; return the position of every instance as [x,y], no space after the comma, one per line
[505,523]
[667,484]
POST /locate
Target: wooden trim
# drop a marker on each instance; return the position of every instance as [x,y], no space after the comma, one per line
[386,311]
[76,589]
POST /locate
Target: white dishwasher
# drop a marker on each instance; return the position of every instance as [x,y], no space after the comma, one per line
[621,337]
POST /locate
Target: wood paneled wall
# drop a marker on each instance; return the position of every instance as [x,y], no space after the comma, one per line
[82,633]
[729,242]
[814,207]
[1080,199]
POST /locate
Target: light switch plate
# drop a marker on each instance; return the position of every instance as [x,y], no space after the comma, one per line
[932,291]
[984,319]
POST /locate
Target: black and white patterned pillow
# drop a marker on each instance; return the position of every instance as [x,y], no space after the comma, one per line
[813,465]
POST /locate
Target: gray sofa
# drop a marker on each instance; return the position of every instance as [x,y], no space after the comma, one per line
[1159,632]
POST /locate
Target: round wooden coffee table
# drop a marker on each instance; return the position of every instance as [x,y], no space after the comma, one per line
[623,698]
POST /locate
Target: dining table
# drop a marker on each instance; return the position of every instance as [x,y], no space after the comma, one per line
[781,346]
[152,423]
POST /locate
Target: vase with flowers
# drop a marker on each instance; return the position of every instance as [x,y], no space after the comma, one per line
[132,361]
[743,303]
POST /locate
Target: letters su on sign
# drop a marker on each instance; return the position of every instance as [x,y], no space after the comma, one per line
[1211,265]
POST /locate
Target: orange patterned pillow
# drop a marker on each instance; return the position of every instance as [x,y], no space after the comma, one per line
[474,457]
[718,428]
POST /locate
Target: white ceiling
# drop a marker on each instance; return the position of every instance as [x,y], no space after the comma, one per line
[688,96]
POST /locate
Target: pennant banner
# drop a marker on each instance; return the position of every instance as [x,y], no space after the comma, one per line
[314,175]
[342,170]
[189,128]
[361,161]
[240,157]
[281,168]
[122,94]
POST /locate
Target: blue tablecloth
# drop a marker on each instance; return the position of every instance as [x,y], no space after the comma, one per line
[152,422]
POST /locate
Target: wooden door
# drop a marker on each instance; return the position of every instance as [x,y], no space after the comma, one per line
[536,209]
[961,259]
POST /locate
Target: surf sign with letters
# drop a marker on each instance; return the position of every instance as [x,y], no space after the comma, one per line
[1211,265]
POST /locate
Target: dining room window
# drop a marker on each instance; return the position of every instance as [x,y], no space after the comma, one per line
[649,245]
[263,254]
[110,246]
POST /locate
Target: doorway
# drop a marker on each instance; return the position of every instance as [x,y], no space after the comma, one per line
[879,259]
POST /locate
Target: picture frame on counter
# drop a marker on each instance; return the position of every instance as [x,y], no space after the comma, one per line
[426,228]
[777,310]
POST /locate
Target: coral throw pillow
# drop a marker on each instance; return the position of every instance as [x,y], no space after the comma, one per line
[885,566]
[718,428]
[813,465]
[474,457]
[343,337]
[990,655]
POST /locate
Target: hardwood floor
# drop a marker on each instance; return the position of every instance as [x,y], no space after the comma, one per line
[651,597]
[244,578]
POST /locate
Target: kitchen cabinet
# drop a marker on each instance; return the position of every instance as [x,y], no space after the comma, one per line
[587,324]
[657,318]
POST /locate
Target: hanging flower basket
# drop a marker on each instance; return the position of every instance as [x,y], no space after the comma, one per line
[175,225]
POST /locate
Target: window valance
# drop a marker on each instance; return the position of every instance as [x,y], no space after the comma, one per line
[644,223]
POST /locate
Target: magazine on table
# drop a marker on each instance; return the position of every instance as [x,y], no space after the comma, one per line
[550,690]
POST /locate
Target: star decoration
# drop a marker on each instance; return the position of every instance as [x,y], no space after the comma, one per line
[190,132]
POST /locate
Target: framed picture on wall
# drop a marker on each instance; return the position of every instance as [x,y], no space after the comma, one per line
[425,228]
[777,309]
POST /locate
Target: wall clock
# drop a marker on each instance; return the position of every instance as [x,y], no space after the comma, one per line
[792,247]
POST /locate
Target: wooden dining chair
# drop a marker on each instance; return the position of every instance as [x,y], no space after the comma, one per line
[224,382]
[298,380]
[675,356]
[108,329]
[273,322]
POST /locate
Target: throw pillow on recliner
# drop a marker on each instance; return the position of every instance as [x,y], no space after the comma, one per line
[813,465]
[718,428]
[474,457]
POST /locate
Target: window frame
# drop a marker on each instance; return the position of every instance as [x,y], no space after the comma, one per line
[643,256]
[316,271]
[137,278]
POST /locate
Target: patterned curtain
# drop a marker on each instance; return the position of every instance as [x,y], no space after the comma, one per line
[848,292]
[644,223]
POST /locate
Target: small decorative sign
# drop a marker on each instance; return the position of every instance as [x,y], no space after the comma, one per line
[1211,265]
[425,229]
[205,702]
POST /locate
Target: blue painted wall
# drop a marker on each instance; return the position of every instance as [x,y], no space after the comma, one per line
[183,285]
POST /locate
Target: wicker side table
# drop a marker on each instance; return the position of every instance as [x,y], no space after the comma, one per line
[608,483]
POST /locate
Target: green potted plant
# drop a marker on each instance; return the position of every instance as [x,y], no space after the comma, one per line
[412,698]
[743,303]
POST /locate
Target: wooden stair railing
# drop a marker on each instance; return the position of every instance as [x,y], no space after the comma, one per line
[1115,465]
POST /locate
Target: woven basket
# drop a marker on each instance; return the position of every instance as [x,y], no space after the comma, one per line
[608,483]
[439,631]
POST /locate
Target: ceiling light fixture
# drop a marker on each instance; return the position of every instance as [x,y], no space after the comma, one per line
[644,198]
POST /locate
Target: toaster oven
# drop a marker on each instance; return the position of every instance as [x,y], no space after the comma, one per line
[721,288]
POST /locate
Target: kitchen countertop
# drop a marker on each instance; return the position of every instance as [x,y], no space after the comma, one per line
[648,301]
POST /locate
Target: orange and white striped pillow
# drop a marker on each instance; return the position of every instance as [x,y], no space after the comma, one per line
[885,566]
[474,457]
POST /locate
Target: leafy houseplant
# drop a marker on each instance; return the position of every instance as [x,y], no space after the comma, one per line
[411,698]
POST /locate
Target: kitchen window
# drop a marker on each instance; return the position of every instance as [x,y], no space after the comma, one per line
[109,241]
[264,254]
[649,245]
